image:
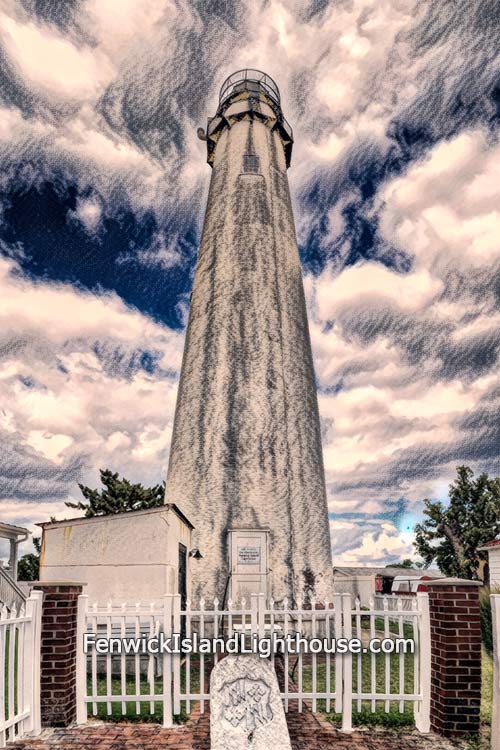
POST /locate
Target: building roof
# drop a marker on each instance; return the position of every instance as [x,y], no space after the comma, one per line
[127,514]
[9,531]
[386,572]
[494,543]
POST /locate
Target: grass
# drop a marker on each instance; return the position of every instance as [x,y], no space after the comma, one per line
[362,714]
[408,630]
[394,718]
[140,712]
[487,688]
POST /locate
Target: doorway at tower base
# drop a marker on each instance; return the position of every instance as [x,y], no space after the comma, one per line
[248,563]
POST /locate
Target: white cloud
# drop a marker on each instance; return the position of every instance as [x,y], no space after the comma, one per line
[62,401]
[163,252]
[373,547]
[392,350]
[117,30]
[30,308]
[88,212]
[410,291]
[446,205]
[50,61]
[49,445]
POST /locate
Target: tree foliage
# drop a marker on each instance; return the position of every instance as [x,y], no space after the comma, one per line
[451,534]
[28,567]
[407,564]
[117,496]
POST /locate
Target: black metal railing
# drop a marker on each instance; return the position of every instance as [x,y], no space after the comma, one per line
[249,80]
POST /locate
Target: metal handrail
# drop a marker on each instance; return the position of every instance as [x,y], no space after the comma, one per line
[10,594]
[249,75]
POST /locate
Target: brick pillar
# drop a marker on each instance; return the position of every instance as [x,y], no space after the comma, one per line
[59,647]
[455,655]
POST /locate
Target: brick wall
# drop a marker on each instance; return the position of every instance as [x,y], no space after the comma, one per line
[455,656]
[58,653]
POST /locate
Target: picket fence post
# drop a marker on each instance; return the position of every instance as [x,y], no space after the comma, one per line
[31,666]
[167,663]
[262,615]
[347,665]
[176,658]
[81,660]
[254,613]
[423,711]
[339,658]
[495,713]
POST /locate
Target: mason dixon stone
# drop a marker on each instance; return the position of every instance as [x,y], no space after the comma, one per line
[246,708]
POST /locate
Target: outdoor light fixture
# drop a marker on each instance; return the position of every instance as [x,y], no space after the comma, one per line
[195,553]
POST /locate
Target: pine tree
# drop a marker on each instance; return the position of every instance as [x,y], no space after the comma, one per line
[118,496]
[451,534]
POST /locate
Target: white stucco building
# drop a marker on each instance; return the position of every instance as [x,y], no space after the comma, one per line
[493,550]
[135,557]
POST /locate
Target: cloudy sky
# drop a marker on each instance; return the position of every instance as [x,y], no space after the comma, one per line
[395,178]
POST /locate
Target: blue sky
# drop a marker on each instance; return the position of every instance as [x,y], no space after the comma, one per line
[395,180]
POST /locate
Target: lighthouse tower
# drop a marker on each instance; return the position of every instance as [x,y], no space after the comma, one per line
[246,463]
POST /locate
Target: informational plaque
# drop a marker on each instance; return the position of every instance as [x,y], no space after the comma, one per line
[248,555]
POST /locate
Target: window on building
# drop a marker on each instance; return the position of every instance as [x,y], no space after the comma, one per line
[251,163]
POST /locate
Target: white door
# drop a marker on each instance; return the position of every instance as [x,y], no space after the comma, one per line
[248,560]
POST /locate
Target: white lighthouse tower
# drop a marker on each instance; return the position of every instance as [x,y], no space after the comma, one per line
[246,463]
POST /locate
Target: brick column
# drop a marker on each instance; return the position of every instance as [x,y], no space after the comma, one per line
[455,655]
[59,648]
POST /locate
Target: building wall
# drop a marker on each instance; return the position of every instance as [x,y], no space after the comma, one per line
[494,558]
[126,557]
[246,446]
[362,587]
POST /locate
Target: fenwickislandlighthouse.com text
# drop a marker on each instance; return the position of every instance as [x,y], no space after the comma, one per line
[241,643]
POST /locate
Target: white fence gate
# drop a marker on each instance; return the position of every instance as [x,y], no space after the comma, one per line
[20,669]
[495,713]
[167,685]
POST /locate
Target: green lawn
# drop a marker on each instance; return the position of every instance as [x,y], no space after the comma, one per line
[393,718]
[363,715]
[131,713]
[487,688]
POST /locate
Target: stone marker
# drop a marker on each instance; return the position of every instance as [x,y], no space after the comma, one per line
[246,711]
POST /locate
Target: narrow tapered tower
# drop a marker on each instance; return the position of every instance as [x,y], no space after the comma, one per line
[246,463]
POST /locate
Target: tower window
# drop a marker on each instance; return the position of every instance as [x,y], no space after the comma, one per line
[251,163]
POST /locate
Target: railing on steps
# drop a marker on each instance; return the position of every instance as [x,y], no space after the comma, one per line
[11,595]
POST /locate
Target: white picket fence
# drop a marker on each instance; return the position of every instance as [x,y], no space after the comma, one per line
[173,682]
[406,602]
[20,669]
[495,713]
